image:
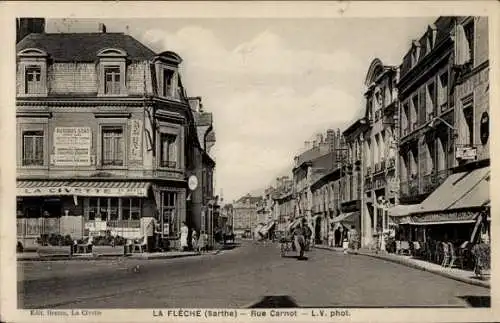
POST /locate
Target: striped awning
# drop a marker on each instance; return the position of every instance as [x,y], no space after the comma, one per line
[82,188]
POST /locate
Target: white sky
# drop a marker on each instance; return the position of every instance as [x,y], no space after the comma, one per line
[270,83]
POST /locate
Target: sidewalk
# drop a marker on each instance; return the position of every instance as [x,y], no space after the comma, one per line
[34,256]
[454,273]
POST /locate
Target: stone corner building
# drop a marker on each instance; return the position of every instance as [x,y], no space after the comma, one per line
[106,138]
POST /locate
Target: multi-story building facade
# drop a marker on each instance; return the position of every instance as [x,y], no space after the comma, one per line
[448,153]
[284,202]
[245,214]
[379,143]
[426,152]
[106,138]
[309,167]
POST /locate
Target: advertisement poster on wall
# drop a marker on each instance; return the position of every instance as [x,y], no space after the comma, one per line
[72,146]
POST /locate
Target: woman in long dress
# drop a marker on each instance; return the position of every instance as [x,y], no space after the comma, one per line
[184,236]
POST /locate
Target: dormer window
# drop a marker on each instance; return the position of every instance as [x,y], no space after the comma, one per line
[33,80]
[112,80]
[167,75]
[112,69]
[168,82]
[32,72]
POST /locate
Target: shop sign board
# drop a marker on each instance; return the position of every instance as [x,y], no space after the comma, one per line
[72,146]
[82,191]
[135,140]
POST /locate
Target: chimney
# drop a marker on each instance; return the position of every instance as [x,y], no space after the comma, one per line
[319,138]
[26,26]
[102,28]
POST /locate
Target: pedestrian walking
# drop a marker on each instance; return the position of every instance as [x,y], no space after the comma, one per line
[150,234]
[194,240]
[184,236]
[353,238]
[331,237]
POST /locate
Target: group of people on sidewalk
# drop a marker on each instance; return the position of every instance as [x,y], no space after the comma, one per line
[189,239]
[343,238]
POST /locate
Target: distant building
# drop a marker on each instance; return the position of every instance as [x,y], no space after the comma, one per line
[245,213]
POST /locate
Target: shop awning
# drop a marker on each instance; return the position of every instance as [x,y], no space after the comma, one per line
[293,224]
[459,191]
[265,229]
[345,217]
[82,188]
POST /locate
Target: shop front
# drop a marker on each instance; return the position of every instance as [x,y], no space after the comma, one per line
[451,215]
[81,208]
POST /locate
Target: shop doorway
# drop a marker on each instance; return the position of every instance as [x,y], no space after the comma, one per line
[317,231]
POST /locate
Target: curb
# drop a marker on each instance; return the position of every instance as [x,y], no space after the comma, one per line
[107,257]
[410,264]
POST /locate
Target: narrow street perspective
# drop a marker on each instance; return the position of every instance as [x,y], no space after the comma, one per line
[253,163]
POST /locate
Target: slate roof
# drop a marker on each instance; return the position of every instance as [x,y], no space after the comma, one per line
[83,47]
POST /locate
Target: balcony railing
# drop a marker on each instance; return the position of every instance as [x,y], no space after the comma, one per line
[168,164]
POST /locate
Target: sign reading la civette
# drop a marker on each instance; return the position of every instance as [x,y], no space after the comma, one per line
[82,191]
[72,146]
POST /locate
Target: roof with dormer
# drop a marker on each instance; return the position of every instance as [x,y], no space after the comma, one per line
[85,47]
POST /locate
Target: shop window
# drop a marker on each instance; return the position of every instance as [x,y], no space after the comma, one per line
[32,148]
[112,82]
[33,80]
[103,209]
[113,208]
[168,150]
[170,221]
[93,208]
[112,146]
[131,209]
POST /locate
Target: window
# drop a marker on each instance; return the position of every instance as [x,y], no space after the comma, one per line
[469,34]
[112,83]
[168,151]
[112,146]
[32,148]
[431,93]
[469,119]
[443,91]
[33,80]
[168,78]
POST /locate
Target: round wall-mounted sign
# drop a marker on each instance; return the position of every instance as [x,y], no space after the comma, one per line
[484,128]
[192,182]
